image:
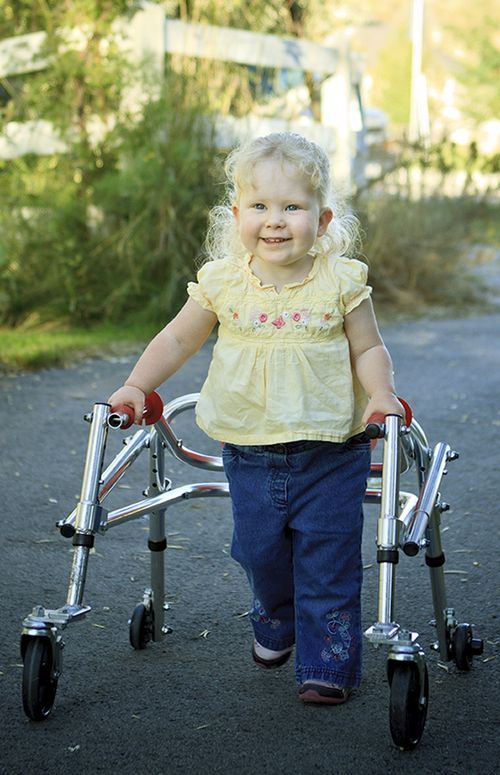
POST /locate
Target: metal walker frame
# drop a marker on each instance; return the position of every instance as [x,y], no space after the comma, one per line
[409,522]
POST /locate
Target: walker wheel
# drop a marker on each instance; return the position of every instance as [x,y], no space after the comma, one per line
[407,714]
[465,646]
[462,646]
[39,680]
[141,627]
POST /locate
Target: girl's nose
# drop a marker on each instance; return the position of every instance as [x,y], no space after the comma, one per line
[275,219]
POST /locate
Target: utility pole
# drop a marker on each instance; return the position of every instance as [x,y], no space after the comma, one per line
[336,96]
[419,129]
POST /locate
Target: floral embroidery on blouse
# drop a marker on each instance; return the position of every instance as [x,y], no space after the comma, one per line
[298,319]
[327,320]
[235,316]
[301,318]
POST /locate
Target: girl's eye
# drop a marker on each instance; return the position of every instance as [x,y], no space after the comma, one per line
[259,206]
[292,207]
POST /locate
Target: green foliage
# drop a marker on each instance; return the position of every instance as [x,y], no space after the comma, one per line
[44,229]
[82,81]
[417,250]
[480,77]
[19,17]
[269,16]
[472,41]
[111,228]
[154,205]
[392,77]
[112,231]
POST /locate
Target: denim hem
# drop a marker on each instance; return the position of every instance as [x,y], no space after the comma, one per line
[345,680]
[273,643]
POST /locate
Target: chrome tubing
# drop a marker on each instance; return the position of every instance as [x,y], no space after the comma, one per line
[87,510]
[188,491]
[116,469]
[406,452]
[436,569]
[118,419]
[77,576]
[406,515]
[388,523]
[114,472]
[179,405]
[184,454]
[421,450]
[427,500]
[386,592]
[157,542]
[177,448]
[418,434]
[92,471]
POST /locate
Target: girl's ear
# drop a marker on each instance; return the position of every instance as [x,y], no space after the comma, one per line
[325,217]
[236,212]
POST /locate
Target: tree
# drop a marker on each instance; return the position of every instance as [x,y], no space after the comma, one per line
[392,77]
[19,17]
[478,60]
[112,227]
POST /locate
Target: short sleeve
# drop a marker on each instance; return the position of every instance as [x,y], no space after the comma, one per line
[352,276]
[203,291]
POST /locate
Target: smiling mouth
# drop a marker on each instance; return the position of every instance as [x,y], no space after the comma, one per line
[275,240]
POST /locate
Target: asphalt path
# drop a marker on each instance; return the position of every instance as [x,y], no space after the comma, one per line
[195,703]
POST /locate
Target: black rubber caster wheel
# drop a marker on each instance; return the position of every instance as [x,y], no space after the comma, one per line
[462,646]
[465,646]
[141,627]
[39,683]
[407,714]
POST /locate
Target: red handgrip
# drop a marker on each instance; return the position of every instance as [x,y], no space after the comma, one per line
[117,416]
[408,411]
[374,427]
[153,408]
[123,416]
[377,419]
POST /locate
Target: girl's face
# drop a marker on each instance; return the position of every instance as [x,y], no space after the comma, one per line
[279,216]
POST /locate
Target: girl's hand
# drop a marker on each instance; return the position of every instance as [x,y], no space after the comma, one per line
[132,397]
[383,403]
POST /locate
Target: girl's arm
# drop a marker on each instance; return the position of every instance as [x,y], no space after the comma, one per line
[371,361]
[165,354]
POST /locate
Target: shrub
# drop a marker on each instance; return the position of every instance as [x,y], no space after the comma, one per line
[111,231]
[416,250]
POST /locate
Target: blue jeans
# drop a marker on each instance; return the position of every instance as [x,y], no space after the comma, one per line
[298,522]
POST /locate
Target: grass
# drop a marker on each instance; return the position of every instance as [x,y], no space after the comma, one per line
[48,347]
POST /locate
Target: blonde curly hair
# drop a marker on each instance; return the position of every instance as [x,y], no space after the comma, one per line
[222,240]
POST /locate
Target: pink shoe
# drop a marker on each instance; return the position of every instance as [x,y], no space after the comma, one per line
[323,694]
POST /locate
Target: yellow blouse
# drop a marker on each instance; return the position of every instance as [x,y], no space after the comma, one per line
[280,369]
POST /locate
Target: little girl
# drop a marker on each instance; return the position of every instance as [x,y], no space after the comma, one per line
[298,368]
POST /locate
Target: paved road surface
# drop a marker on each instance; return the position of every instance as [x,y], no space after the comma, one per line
[195,704]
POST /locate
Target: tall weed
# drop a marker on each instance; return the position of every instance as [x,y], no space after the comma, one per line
[110,232]
[154,205]
[417,250]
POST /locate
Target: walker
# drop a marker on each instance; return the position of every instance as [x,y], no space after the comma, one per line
[408,522]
